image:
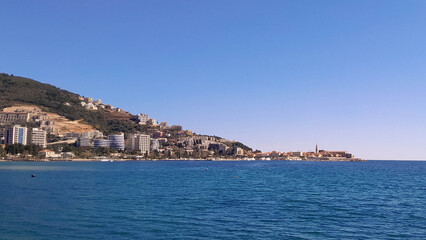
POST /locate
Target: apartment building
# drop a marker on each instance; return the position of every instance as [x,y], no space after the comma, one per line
[37,136]
[139,142]
[16,134]
[9,118]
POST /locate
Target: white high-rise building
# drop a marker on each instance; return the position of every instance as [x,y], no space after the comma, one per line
[37,136]
[140,142]
[16,134]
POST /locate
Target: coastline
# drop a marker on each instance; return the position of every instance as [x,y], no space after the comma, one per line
[152,160]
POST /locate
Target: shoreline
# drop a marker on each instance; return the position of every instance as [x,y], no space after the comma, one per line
[153,160]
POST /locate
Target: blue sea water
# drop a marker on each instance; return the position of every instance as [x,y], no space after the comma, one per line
[213,200]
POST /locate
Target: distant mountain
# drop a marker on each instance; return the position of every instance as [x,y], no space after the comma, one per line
[24,91]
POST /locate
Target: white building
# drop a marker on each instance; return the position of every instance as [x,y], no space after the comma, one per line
[155,145]
[84,142]
[98,143]
[238,151]
[92,134]
[152,122]
[38,136]
[8,118]
[117,141]
[139,142]
[90,106]
[47,153]
[16,134]
[143,118]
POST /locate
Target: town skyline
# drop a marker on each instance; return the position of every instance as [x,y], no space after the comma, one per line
[40,122]
[275,75]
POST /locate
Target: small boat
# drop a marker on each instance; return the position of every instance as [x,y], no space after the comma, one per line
[102,159]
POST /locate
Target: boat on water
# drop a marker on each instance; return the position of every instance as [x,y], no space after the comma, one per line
[107,160]
[103,159]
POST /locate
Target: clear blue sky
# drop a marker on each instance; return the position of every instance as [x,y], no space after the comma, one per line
[276,75]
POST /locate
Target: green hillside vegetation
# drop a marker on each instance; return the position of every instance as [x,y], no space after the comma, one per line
[19,90]
[240,145]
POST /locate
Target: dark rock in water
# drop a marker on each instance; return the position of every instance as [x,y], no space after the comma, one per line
[33,175]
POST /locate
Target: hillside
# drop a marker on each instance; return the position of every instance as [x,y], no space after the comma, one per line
[20,91]
[62,124]
[24,91]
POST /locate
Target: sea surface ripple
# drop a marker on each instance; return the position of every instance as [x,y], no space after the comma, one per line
[213,200]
